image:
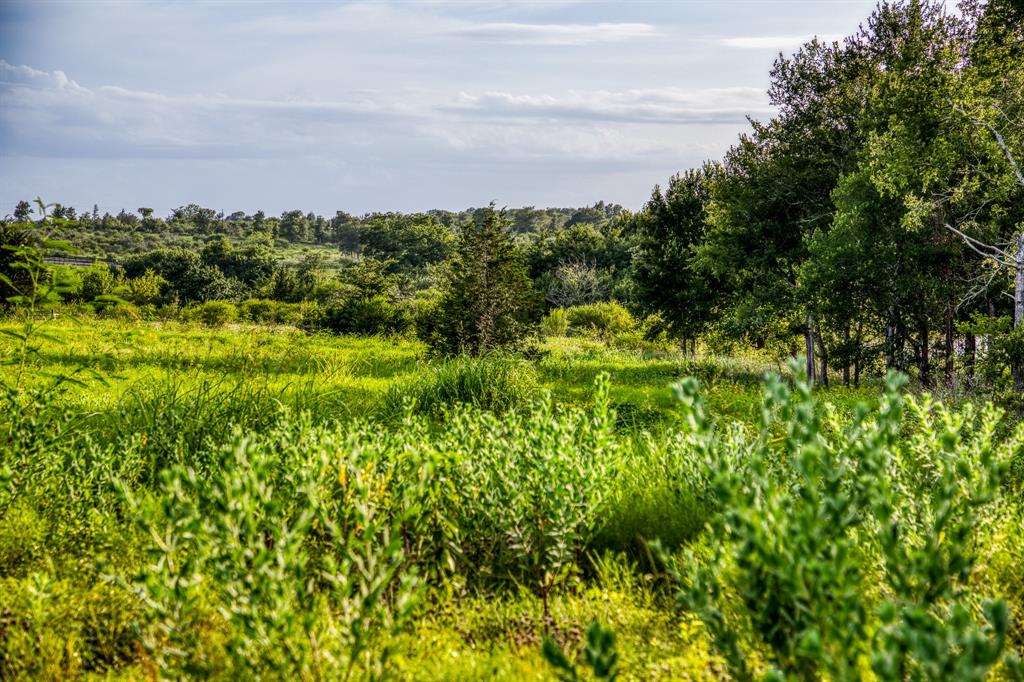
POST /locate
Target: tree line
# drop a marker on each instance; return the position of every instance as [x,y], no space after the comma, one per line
[873,214]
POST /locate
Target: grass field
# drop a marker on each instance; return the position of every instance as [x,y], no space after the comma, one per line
[259,502]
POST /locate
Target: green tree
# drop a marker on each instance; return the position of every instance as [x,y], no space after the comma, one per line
[295,227]
[488,301]
[412,241]
[668,276]
[22,211]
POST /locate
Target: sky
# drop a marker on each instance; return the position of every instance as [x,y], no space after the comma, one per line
[381,105]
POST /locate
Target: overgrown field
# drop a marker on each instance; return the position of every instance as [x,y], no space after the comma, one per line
[255,502]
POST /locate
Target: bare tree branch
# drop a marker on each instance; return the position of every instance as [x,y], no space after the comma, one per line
[985,250]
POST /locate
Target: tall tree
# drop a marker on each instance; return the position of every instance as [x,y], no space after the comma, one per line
[488,301]
[668,276]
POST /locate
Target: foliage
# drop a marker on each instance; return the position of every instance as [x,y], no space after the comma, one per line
[492,383]
[215,313]
[555,323]
[267,552]
[599,655]
[267,311]
[487,301]
[375,315]
[669,277]
[605,320]
[792,570]
[504,526]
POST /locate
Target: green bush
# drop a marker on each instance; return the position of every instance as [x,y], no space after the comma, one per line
[215,313]
[278,540]
[555,323]
[53,629]
[493,383]
[267,311]
[98,281]
[364,316]
[849,543]
[604,320]
[122,312]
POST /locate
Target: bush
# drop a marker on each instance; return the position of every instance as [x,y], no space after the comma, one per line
[239,547]
[216,313]
[489,383]
[602,319]
[98,281]
[555,323]
[123,312]
[851,542]
[267,311]
[366,316]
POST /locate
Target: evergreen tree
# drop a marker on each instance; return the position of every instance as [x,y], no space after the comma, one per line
[488,301]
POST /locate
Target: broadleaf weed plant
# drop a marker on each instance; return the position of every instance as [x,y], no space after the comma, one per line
[847,548]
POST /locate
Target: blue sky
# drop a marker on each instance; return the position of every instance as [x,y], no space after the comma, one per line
[381,105]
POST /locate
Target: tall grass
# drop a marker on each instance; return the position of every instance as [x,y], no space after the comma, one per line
[493,383]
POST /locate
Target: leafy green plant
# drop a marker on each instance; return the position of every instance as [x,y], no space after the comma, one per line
[598,654]
[542,493]
[216,313]
[555,323]
[604,319]
[30,421]
[367,316]
[300,569]
[792,571]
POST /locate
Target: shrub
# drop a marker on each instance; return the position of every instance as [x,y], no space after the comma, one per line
[296,553]
[123,312]
[538,482]
[555,323]
[367,316]
[267,311]
[490,383]
[604,319]
[98,281]
[216,313]
[792,555]
[145,289]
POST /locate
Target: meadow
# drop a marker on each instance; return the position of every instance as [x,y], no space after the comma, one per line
[250,501]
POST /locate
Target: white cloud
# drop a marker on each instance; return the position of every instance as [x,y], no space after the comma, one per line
[556,34]
[27,76]
[47,114]
[776,43]
[651,105]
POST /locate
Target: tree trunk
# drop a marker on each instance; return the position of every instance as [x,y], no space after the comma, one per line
[1018,307]
[923,359]
[857,354]
[846,361]
[890,341]
[970,350]
[809,348]
[950,377]
[823,352]
[901,346]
